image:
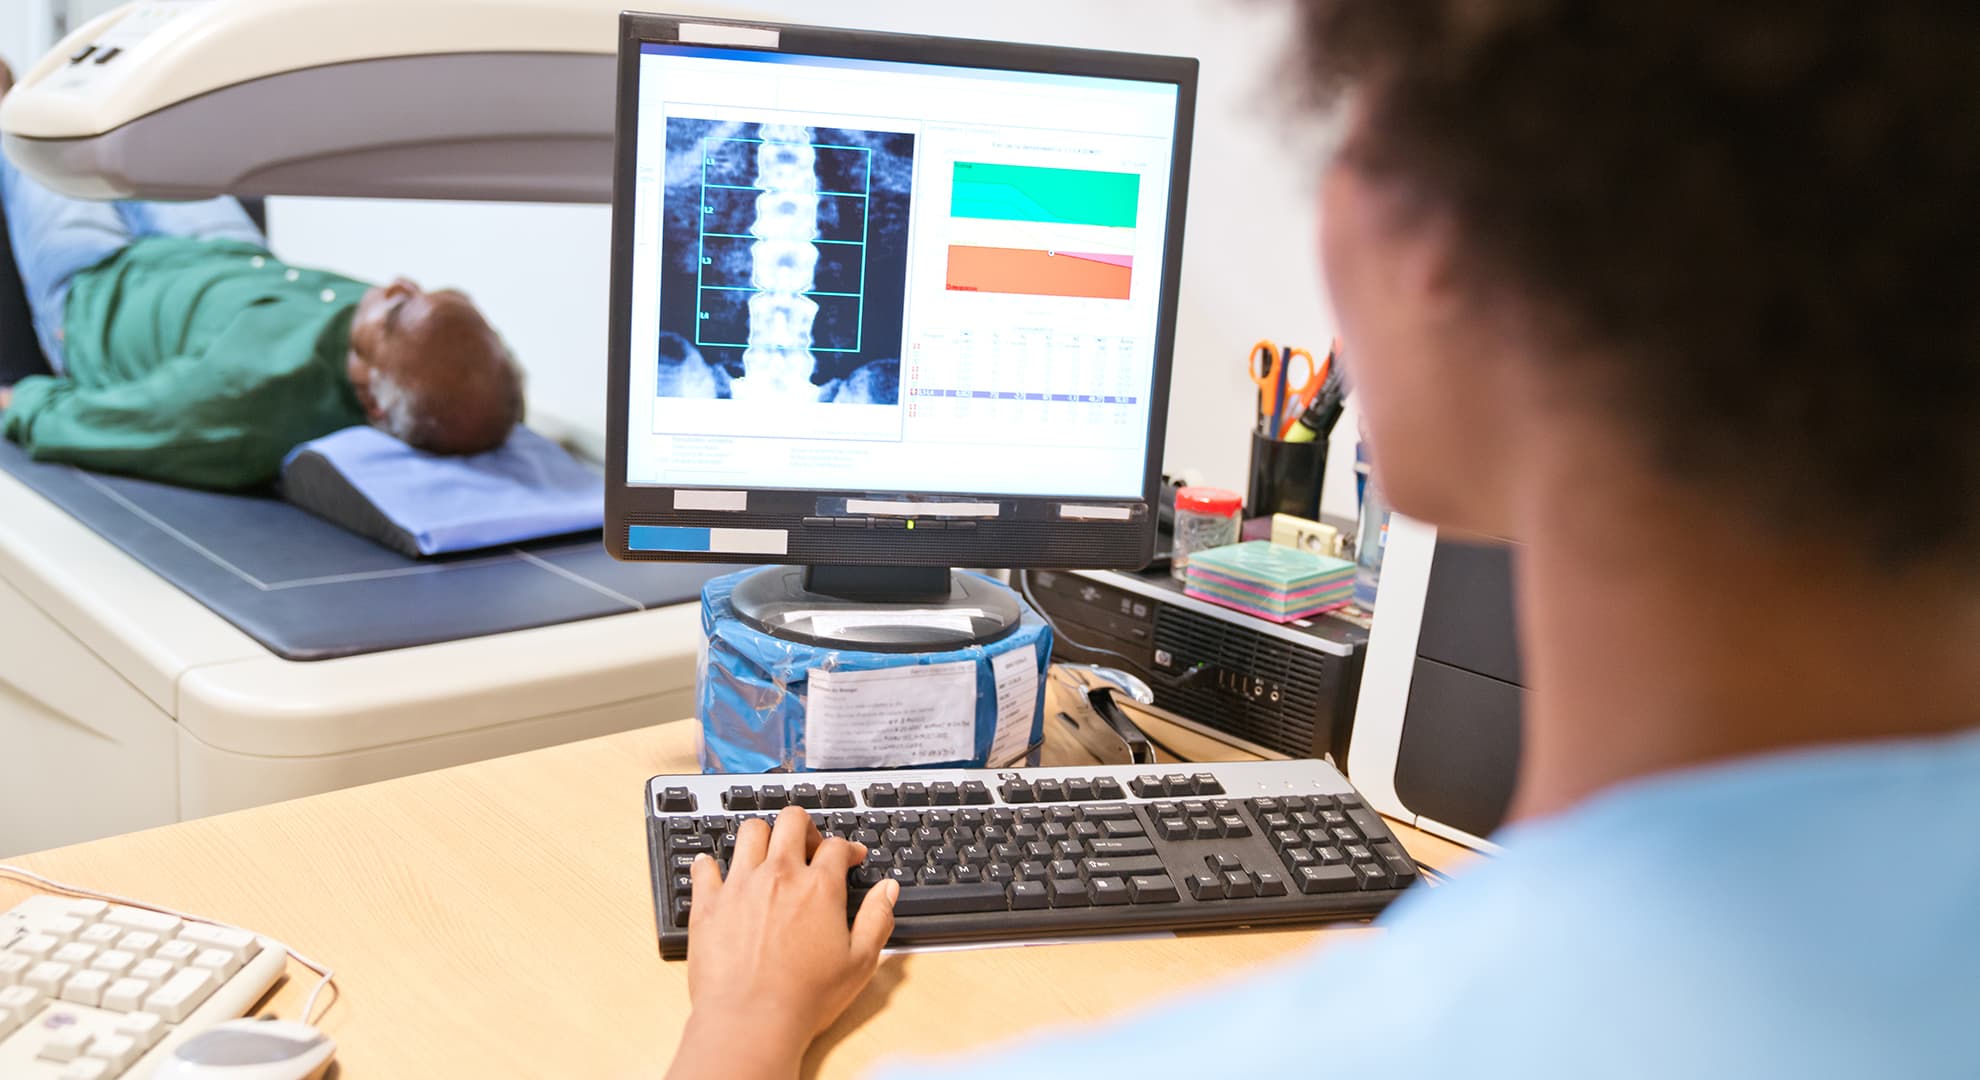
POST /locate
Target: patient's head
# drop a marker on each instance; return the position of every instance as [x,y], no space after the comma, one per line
[430,371]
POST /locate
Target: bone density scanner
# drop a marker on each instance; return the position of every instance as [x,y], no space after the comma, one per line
[167,653]
[438,99]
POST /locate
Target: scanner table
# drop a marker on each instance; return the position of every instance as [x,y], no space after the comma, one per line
[167,653]
[495,919]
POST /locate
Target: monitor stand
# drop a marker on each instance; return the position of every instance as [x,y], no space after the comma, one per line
[892,609]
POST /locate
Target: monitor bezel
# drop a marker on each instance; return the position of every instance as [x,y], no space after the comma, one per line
[1033,531]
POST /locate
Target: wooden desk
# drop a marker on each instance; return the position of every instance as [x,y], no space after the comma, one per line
[496,920]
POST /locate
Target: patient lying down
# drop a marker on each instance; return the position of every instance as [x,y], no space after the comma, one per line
[186,352]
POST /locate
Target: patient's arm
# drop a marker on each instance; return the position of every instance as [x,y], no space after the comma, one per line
[222,419]
[158,427]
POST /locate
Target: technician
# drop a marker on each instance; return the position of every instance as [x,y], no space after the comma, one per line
[1685,297]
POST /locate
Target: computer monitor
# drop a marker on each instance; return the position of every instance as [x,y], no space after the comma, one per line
[883,305]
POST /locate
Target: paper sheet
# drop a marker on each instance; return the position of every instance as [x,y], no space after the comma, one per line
[832,624]
[1017,700]
[894,716]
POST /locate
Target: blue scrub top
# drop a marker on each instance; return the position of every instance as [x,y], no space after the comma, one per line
[1813,914]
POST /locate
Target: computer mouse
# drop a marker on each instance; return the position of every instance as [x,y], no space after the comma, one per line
[250,1050]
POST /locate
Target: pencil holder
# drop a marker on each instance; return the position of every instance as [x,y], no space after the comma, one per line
[1285,477]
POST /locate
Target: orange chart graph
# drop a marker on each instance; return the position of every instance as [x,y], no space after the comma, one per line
[1035,272]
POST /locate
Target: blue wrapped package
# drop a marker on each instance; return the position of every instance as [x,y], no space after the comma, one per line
[767,704]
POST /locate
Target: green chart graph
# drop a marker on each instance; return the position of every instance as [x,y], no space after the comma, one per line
[1060,196]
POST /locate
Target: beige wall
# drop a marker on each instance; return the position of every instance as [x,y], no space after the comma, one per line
[26,29]
[81,11]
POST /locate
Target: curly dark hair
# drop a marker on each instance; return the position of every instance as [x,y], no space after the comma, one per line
[1766,212]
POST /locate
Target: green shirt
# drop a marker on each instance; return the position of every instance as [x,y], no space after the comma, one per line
[198,362]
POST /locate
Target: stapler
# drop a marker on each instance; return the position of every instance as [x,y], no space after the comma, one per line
[1089,710]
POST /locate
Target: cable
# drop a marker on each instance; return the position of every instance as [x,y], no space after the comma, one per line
[1163,748]
[1024,586]
[1173,682]
[1177,682]
[1430,873]
[30,877]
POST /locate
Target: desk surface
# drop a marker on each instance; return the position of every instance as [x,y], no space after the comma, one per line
[496,920]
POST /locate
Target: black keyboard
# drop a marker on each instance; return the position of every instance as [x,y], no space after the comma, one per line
[1013,854]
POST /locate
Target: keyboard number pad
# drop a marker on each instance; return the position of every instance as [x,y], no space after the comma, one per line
[1332,844]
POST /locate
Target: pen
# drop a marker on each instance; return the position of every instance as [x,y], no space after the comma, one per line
[1279,393]
[1321,416]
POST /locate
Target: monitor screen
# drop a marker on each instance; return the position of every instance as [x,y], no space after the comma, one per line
[883,276]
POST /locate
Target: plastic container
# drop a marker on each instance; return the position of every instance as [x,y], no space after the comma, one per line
[1206,517]
[755,694]
[1285,477]
[1371,542]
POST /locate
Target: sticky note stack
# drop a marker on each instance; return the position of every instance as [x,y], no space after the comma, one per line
[1269,581]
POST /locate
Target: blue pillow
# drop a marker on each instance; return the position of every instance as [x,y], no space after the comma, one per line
[428,504]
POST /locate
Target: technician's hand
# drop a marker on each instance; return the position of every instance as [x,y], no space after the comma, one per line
[770,960]
[6,397]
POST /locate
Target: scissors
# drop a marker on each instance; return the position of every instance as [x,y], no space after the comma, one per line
[1280,398]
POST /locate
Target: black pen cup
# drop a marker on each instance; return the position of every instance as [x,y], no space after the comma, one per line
[1285,477]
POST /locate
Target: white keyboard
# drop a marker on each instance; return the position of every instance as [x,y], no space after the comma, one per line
[90,990]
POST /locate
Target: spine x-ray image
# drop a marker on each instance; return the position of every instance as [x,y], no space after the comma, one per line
[785,262]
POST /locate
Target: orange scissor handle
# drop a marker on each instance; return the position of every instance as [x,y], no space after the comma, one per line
[1316,373]
[1263,366]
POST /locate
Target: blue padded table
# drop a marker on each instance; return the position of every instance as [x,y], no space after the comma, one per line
[310,590]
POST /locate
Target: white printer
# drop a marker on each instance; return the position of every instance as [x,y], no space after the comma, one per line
[1437,729]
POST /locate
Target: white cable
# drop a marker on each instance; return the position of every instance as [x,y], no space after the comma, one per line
[29,876]
[1024,587]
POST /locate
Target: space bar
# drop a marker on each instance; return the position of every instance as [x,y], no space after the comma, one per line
[949,899]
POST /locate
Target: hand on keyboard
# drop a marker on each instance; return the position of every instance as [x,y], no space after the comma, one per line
[1020,854]
[773,961]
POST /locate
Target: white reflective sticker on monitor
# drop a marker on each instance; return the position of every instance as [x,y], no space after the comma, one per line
[750,541]
[1072,512]
[702,499]
[909,508]
[754,37]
